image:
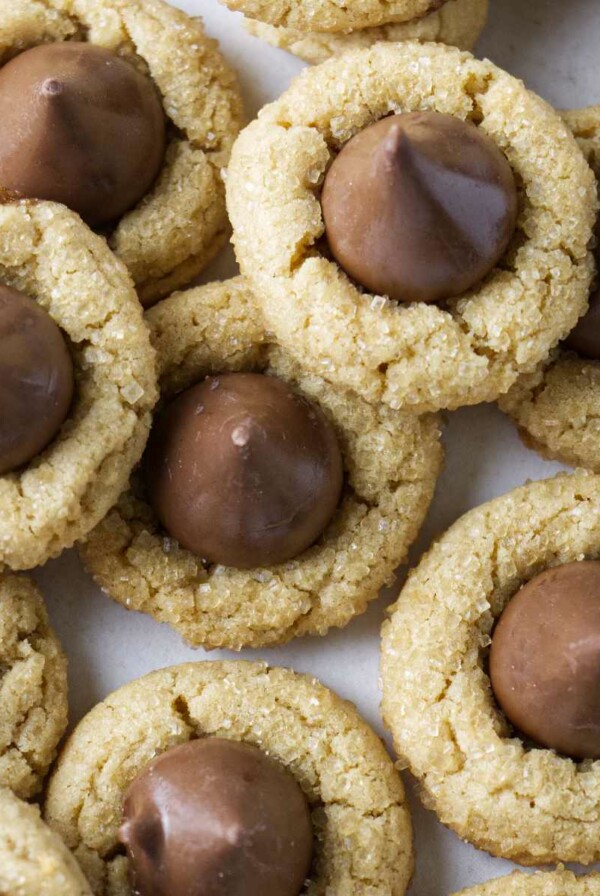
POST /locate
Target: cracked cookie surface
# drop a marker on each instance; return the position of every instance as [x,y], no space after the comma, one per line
[543,883]
[363,838]
[49,254]
[557,408]
[526,804]
[33,860]
[417,356]
[33,689]
[458,23]
[331,15]
[392,461]
[178,227]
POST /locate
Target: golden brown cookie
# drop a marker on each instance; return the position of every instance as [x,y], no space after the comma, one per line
[523,803]
[330,15]
[49,254]
[33,689]
[549,883]
[557,408]
[458,23]
[417,356]
[392,461]
[363,838]
[585,124]
[181,223]
[33,860]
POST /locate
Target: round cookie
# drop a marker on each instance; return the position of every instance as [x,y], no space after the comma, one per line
[330,15]
[178,227]
[33,689]
[50,255]
[363,840]
[33,860]
[511,799]
[458,23]
[420,356]
[391,460]
[557,408]
[543,883]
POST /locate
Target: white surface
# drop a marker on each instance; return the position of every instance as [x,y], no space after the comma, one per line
[552,44]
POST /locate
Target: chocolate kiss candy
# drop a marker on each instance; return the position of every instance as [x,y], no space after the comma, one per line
[36,379]
[244,472]
[217,818]
[419,207]
[79,126]
[545,660]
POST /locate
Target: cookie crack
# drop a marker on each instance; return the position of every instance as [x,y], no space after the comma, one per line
[182,710]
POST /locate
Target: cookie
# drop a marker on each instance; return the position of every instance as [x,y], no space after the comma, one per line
[33,689]
[179,225]
[49,255]
[496,791]
[458,23]
[585,124]
[550,883]
[419,356]
[33,860]
[557,407]
[363,840]
[329,15]
[391,459]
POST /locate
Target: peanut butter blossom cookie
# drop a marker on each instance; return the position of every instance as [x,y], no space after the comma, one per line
[33,860]
[269,504]
[557,408]
[549,883]
[415,224]
[457,22]
[33,690]
[125,112]
[491,678]
[77,381]
[230,779]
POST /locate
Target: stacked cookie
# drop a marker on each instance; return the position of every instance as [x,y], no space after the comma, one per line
[87,374]
[418,227]
[251,461]
[306,516]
